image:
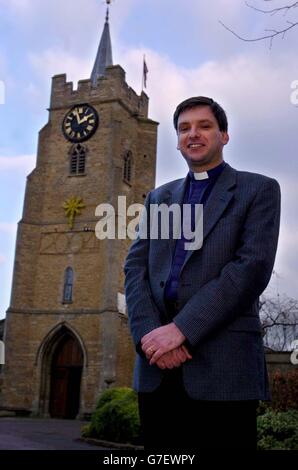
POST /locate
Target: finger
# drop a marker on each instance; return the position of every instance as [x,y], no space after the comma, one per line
[168,363]
[181,360]
[149,353]
[156,356]
[183,357]
[160,364]
[149,336]
[149,349]
[189,356]
[149,344]
[177,357]
[177,363]
[180,354]
[145,344]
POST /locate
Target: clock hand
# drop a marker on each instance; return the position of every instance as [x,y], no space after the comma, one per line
[86,118]
[76,112]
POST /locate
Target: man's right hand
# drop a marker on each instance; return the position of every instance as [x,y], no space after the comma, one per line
[174,358]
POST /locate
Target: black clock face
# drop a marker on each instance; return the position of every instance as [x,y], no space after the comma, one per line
[80,123]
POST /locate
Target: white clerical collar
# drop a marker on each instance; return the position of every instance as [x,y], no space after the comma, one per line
[203,175]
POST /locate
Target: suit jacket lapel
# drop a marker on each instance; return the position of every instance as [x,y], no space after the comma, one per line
[175,197]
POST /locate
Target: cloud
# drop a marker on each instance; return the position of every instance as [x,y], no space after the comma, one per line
[71,24]
[56,60]
[23,163]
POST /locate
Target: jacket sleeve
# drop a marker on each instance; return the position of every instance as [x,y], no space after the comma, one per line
[143,314]
[243,279]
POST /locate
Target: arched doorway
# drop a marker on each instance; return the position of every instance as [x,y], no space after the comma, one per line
[66,372]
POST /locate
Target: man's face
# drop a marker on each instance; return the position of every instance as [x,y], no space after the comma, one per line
[199,139]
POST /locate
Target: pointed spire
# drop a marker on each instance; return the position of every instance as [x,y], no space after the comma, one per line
[104,53]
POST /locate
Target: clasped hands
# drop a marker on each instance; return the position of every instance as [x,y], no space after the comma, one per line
[164,347]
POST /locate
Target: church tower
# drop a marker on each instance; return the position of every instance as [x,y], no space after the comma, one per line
[66,336]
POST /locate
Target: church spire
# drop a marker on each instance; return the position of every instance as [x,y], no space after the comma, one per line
[104,53]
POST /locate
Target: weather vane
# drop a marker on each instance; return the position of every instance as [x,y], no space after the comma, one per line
[108,2]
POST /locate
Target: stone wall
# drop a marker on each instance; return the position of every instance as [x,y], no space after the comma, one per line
[279,360]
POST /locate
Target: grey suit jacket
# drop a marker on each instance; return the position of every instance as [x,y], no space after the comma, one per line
[219,290]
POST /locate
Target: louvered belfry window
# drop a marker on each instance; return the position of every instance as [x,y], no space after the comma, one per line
[77,160]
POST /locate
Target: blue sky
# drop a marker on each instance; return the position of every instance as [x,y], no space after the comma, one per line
[188,53]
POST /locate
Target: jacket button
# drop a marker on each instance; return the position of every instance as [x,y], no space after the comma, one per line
[162,284]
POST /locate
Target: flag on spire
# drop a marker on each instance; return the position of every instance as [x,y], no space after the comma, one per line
[145,73]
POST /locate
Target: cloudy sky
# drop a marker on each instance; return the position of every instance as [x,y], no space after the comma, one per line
[188,53]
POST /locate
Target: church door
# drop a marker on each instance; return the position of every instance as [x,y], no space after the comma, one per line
[66,372]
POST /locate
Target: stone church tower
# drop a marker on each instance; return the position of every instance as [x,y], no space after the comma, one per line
[65,338]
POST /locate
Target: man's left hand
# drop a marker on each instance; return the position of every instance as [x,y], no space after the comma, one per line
[161,340]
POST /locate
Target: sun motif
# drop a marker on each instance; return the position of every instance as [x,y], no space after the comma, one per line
[73,208]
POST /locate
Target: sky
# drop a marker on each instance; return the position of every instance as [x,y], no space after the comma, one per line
[188,53]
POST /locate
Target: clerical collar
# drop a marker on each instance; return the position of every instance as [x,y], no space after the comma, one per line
[203,175]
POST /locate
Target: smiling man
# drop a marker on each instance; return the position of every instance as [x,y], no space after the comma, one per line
[194,315]
[201,137]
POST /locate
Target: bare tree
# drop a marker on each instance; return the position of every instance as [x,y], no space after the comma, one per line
[270,33]
[279,319]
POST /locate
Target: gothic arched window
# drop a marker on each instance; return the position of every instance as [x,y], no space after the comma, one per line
[127,167]
[68,286]
[78,159]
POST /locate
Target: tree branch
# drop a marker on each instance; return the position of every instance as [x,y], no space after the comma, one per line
[276,323]
[268,36]
[274,10]
[273,32]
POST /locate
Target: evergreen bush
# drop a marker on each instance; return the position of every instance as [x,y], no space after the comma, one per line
[278,430]
[116,417]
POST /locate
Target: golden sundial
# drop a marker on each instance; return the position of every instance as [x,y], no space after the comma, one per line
[73,208]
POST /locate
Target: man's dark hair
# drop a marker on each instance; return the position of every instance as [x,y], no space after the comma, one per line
[216,109]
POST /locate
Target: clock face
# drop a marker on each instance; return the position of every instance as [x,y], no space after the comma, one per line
[80,123]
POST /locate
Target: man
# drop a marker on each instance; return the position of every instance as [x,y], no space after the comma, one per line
[194,315]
